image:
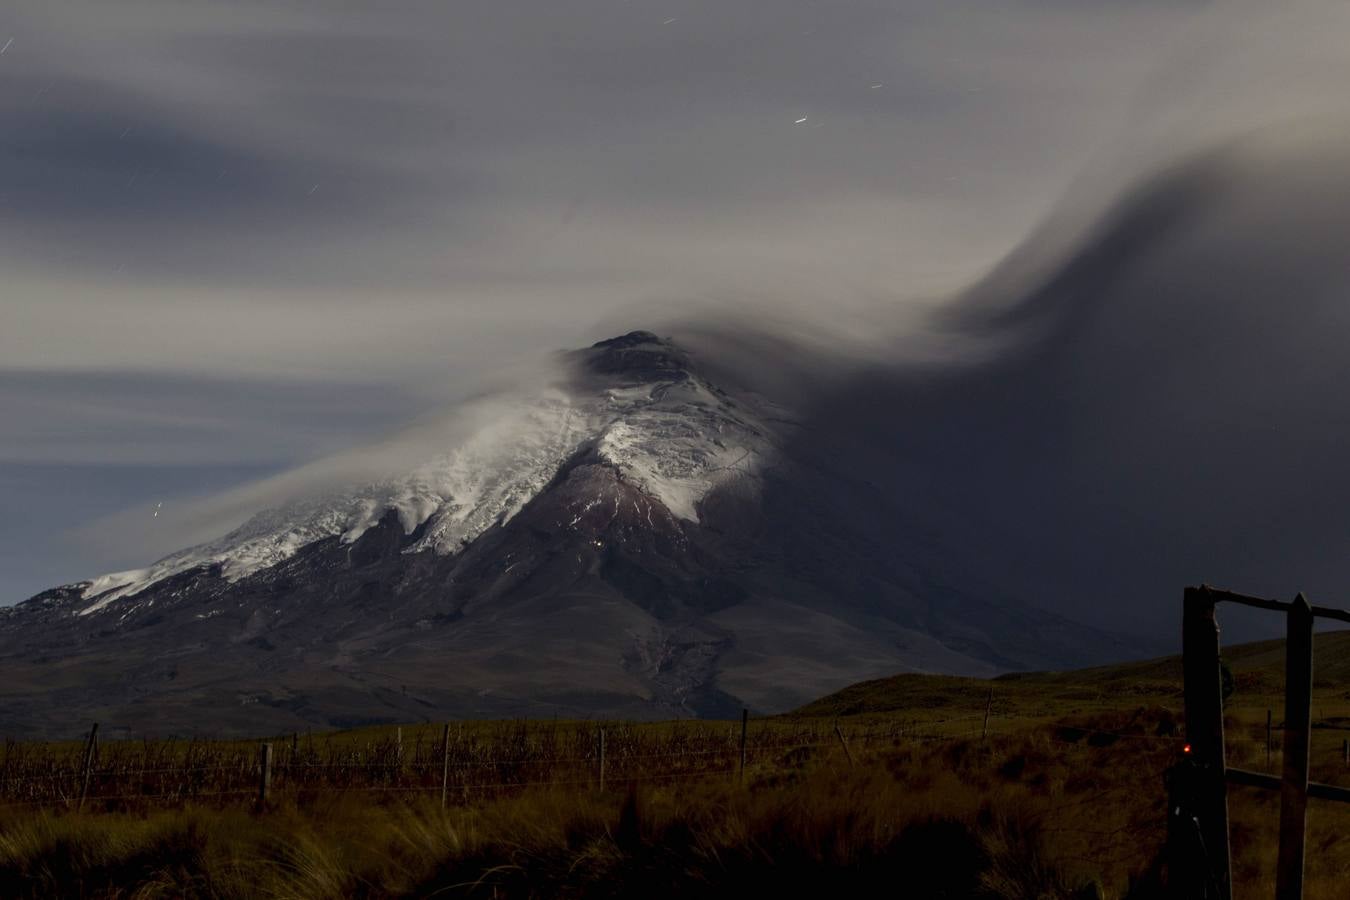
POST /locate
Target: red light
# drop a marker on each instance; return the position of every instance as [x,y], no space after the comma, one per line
[1186,748]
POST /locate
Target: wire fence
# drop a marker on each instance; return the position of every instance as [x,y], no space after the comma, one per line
[456,764]
[459,765]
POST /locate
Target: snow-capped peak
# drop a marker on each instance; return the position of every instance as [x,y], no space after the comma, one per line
[635,401]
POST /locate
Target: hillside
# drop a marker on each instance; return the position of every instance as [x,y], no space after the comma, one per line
[1258,669]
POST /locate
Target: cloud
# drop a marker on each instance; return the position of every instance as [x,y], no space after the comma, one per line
[587,153]
[492,406]
[1165,408]
[197,199]
[140,418]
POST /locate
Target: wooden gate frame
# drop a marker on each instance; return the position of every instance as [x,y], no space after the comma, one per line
[1198,801]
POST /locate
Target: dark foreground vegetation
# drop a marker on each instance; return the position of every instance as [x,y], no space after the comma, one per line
[1059,795]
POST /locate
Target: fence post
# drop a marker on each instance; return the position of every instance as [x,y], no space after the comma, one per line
[602,760]
[1297,727]
[1188,876]
[445,763]
[1204,732]
[264,775]
[844,744]
[745,726]
[1269,741]
[461,743]
[988,705]
[90,748]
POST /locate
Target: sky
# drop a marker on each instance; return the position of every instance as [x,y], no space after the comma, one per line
[238,238]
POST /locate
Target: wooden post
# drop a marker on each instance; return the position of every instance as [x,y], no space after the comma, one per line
[445,763]
[745,727]
[464,784]
[844,744]
[1297,728]
[1187,878]
[988,705]
[602,760]
[264,775]
[1270,743]
[1204,733]
[90,748]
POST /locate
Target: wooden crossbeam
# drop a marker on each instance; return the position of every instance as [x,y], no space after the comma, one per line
[1316,789]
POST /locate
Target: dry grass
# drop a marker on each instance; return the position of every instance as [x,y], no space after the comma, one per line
[1040,813]
[1063,799]
[827,832]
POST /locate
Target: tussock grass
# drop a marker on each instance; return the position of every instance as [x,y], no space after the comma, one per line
[831,832]
[1021,815]
[1064,798]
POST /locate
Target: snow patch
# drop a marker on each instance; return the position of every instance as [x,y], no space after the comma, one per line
[682,444]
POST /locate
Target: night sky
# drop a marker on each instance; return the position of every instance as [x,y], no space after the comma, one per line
[239,238]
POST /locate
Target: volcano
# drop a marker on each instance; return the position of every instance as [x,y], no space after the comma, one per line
[631,541]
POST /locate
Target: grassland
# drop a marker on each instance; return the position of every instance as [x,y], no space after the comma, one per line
[1061,795]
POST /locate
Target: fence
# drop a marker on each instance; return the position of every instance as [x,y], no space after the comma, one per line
[1199,860]
[453,765]
[1096,816]
[445,762]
